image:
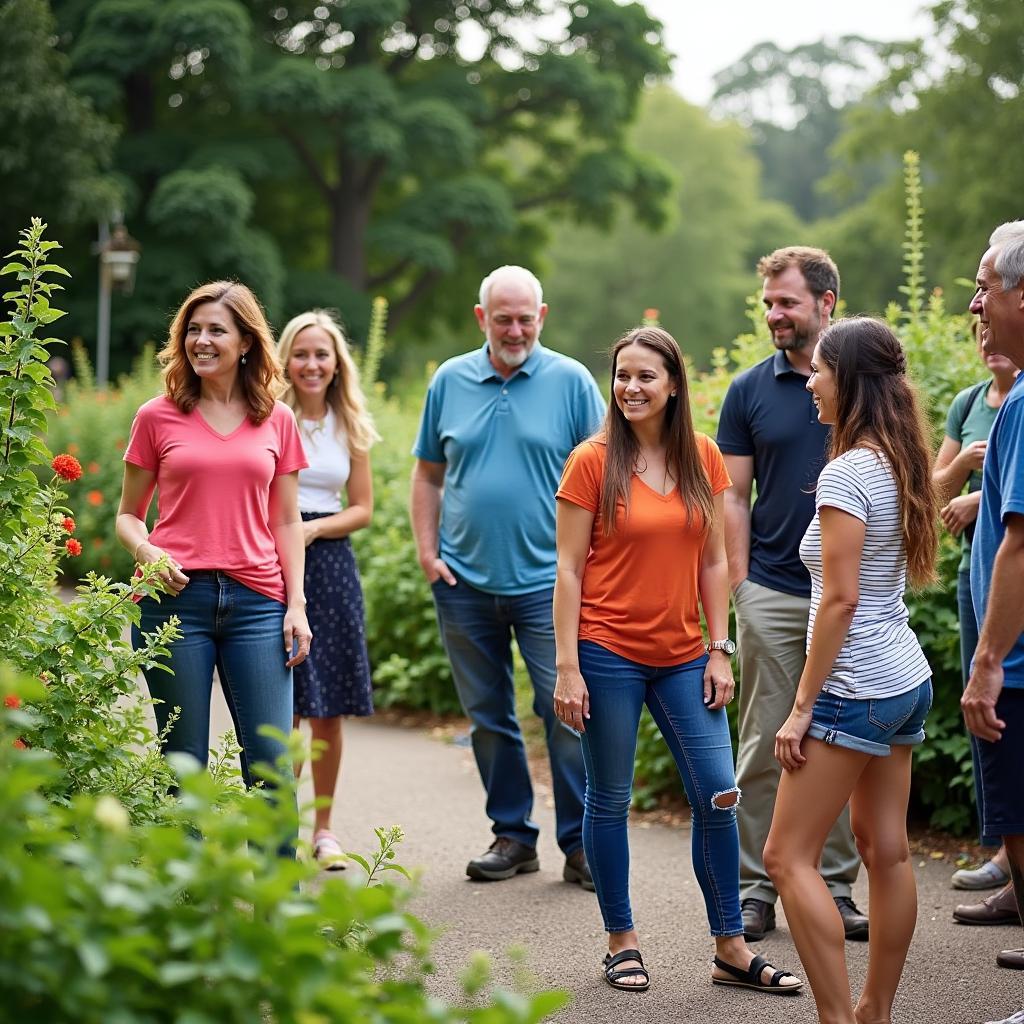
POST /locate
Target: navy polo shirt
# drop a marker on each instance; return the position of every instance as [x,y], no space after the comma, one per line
[504,443]
[769,414]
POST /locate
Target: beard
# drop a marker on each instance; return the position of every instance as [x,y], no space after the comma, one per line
[512,359]
[801,337]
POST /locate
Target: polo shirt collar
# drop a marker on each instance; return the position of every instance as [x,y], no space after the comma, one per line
[781,365]
[486,370]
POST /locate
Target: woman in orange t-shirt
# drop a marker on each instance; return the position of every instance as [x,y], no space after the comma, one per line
[641,550]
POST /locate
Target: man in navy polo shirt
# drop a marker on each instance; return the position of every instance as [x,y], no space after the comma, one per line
[993,702]
[770,436]
[497,427]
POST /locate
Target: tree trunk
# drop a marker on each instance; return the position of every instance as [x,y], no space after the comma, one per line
[350,217]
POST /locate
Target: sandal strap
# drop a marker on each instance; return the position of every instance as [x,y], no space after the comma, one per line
[753,973]
[622,956]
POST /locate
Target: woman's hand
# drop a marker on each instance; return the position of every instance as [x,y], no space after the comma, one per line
[309,532]
[174,581]
[789,738]
[297,635]
[719,686]
[572,700]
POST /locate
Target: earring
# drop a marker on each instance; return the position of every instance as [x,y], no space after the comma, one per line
[673,395]
[243,360]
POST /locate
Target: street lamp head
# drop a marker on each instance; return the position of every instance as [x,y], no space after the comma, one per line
[118,258]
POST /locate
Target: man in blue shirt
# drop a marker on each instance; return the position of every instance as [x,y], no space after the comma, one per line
[770,436]
[497,426]
[993,702]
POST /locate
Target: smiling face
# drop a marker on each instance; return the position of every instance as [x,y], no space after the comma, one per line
[213,344]
[822,386]
[511,322]
[1000,312]
[795,317]
[312,365]
[642,385]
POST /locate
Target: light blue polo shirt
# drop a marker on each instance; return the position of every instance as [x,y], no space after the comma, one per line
[1002,494]
[504,443]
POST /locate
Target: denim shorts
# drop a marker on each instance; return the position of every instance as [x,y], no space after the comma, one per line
[872,725]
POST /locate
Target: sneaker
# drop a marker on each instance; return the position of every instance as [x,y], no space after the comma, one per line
[989,876]
[1014,1018]
[855,924]
[578,870]
[327,851]
[505,858]
[758,918]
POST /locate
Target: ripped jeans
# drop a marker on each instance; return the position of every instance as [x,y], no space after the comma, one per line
[698,740]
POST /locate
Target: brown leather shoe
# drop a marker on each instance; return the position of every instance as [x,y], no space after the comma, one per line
[999,908]
[1012,958]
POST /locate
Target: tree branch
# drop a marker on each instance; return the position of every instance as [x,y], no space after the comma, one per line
[306,157]
[389,275]
[541,200]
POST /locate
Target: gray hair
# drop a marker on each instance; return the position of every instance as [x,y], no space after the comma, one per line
[510,270]
[1009,262]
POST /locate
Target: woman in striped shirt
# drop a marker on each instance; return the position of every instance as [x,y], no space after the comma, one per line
[865,689]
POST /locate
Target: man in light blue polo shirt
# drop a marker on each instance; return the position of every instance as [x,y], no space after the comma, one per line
[497,426]
[993,702]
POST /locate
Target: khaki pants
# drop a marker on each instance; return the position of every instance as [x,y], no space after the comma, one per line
[772,634]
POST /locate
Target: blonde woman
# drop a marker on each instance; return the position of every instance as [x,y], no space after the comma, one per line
[322,388]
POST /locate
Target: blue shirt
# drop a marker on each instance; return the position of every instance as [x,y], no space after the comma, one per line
[769,414]
[504,443]
[1002,494]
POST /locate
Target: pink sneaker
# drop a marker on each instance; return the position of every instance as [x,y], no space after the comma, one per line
[327,851]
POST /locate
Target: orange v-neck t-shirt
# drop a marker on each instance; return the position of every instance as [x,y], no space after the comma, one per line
[640,593]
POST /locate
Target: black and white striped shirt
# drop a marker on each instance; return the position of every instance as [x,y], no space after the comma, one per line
[881,656]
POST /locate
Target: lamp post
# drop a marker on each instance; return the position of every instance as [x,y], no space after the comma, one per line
[119,253]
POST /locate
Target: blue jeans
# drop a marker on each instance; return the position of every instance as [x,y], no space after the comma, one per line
[477,629]
[968,645]
[226,624]
[699,742]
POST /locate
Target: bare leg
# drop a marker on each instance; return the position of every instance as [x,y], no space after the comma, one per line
[326,767]
[809,801]
[617,942]
[878,812]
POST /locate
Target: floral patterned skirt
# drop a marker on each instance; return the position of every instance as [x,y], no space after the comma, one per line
[335,678]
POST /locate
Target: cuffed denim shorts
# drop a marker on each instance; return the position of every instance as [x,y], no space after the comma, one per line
[872,725]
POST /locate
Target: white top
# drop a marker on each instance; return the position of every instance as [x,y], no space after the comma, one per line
[881,656]
[329,465]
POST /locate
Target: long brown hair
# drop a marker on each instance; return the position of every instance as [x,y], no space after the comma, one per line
[681,455]
[259,376]
[878,407]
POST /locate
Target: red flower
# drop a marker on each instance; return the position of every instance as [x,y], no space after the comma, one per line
[69,524]
[94,497]
[67,467]
[20,745]
[651,314]
[94,467]
[72,546]
[73,448]
[12,701]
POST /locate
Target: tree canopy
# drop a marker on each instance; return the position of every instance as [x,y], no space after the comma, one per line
[328,150]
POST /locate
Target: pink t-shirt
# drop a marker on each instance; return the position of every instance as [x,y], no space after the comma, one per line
[214,490]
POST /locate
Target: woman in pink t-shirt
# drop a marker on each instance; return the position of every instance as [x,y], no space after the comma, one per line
[225,456]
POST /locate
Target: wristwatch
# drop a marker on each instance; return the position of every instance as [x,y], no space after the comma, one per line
[722,645]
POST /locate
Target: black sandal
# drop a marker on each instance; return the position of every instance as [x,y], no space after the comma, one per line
[614,977]
[751,977]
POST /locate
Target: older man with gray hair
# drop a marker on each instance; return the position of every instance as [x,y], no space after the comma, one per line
[497,426]
[993,702]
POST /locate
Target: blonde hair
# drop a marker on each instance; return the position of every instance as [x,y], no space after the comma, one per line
[344,394]
[259,376]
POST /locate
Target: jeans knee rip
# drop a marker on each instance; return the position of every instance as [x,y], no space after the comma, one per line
[721,801]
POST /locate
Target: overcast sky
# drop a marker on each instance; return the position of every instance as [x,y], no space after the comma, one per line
[708,37]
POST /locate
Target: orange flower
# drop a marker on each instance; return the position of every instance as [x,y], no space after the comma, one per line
[651,314]
[119,443]
[20,745]
[72,448]
[94,467]
[69,524]
[67,467]
[12,701]
[72,546]
[94,497]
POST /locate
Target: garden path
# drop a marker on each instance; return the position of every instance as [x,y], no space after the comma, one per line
[406,776]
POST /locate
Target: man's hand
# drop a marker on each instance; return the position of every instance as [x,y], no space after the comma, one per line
[973,456]
[436,568]
[979,702]
[960,512]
